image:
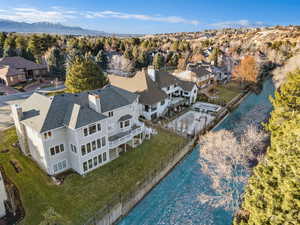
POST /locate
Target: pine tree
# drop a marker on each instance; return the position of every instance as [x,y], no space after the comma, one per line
[158,61]
[84,74]
[56,61]
[273,192]
[9,48]
[101,59]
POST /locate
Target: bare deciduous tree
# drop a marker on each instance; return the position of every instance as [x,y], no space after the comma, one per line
[226,160]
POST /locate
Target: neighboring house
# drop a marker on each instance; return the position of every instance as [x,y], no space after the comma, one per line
[3,197]
[203,74]
[78,131]
[159,91]
[17,69]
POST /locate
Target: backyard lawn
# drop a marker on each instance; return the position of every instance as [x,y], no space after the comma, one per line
[227,92]
[79,197]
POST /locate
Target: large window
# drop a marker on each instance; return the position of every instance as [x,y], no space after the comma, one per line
[88,147]
[103,141]
[57,149]
[92,129]
[95,161]
[96,144]
[60,166]
[124,124]
[85,166]
[85,131]
[83,151]
[100,159]
[104,156]
[73,148]
[90,163]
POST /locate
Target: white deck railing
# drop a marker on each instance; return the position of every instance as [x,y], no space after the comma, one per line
[128,137]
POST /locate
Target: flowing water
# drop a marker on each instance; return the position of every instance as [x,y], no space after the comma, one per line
[174,201]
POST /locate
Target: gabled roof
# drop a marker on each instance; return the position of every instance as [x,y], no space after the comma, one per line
[9,71]
[141,84]
[71,110]
[165,79]
[112,97]
[18,62]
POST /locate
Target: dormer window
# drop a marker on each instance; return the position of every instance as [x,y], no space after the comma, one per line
[110,114]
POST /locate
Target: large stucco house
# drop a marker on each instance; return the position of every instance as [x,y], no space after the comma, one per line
[16,69]
[78,131]
[159,91]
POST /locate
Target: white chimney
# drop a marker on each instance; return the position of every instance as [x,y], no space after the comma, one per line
[94,102]
[151,72]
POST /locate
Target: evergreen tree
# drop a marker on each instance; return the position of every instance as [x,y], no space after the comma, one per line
[101,60]
[273,192]
[56,62]
[2,40]
[21,46]
[9,48]
[84,74]
[158,61]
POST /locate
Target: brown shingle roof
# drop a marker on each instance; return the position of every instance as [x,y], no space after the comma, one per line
[165,79]
[18,62]
[9,71]
[141,84]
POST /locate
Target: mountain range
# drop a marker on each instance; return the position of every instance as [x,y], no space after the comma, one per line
[51,28]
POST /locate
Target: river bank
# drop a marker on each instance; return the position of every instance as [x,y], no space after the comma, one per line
[176,195]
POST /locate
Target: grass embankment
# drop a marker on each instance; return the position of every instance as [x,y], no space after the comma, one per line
[79,197]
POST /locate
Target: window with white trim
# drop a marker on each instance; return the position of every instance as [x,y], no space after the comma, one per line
[73,148]
[60,166]
[124,124]
[57,149]
[104,156]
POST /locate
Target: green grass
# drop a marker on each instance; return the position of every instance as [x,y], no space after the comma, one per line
[228,92]
[78,198]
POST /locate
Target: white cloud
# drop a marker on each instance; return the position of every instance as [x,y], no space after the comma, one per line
[238,23]
[59,14]
[36,15]
[120,15]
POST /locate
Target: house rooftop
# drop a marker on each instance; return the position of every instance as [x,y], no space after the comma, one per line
[18,62]
[45,113]
[150,91]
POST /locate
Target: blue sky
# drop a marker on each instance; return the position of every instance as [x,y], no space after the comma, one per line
[153,16]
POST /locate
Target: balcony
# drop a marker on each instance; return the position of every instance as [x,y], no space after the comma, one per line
[123,137]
